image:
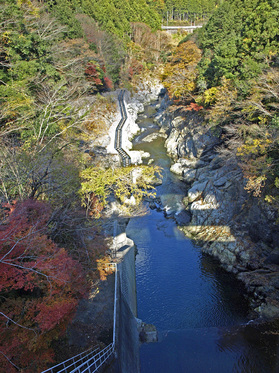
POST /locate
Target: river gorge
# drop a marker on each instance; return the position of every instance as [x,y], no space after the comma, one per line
[202,312]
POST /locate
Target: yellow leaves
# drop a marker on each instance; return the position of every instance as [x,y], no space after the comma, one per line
[269,199]
[222,99]
[255,184]
[125,183]
[209,96]
[15,100]
[180,73]
[6,37]
[246,43]
[31,8]
[104,267]
[188,53]
[262,120]
[255,146]
[136,50]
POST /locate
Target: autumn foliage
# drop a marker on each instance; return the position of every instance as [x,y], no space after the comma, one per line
[193,106]
[180,72]
[96,74]
[40,285]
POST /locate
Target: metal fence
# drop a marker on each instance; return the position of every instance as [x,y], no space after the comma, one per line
[126,159]
[90,360]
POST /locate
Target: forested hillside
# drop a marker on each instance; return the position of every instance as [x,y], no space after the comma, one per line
[114,16]
[54,63]
[188,10]
[230,71]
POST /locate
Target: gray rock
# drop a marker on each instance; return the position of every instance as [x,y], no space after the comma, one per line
[216,163]
[220,182]
[177,121]
[275,282]
[177,169]
[182,218]
[152,137]
[196,191]
[269,310]
[190,148]
[189,175]
[148,333]
[273,257]
[189,163]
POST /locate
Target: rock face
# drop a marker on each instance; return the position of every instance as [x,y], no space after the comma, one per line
[227,222]
[147,92]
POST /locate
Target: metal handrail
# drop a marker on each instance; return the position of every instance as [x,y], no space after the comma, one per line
[94,360]
[126,159]
[80,361]
[65,362]
[115,306]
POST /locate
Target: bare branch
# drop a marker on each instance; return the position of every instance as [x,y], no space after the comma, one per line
[6,357]
[14,322]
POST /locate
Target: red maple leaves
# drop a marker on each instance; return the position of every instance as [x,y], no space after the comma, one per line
[40,285]
[96,74]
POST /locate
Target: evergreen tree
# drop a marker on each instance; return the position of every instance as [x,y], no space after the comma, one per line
[238,40]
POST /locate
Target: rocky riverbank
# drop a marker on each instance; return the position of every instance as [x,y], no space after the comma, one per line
[103,146]
[227,222]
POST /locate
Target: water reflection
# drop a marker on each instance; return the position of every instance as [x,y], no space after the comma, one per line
[257,346]
[234,350]
[199,309]
[176,284]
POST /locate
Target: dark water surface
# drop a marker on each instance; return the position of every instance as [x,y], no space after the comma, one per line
[198,308]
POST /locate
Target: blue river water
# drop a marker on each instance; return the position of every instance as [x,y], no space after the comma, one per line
[200,311]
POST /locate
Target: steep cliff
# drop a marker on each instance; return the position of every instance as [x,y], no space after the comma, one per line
[227,222]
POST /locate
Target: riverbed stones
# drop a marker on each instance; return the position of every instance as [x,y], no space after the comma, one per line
[183,217]
[152,137]
[177,169]
[196,191]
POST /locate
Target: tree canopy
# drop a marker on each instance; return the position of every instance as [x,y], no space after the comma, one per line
[40,285]
[238,40]
[113,16]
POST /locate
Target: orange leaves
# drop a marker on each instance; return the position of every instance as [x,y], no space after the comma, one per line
[9,207]
[193,106]
[180,73]
[40,285]
[104,267]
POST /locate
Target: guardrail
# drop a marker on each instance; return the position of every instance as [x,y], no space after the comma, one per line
[90,360]
[126,159]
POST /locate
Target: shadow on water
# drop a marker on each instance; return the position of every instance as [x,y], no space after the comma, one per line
[200,310]
[241,349]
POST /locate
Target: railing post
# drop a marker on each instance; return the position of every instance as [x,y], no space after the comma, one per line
[115,303]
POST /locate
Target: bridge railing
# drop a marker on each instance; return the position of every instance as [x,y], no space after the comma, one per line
[90,360]
[93,363]
[70,364]
[174,29]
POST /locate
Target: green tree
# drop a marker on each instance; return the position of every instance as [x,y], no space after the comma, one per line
[125,183]
[242,36]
